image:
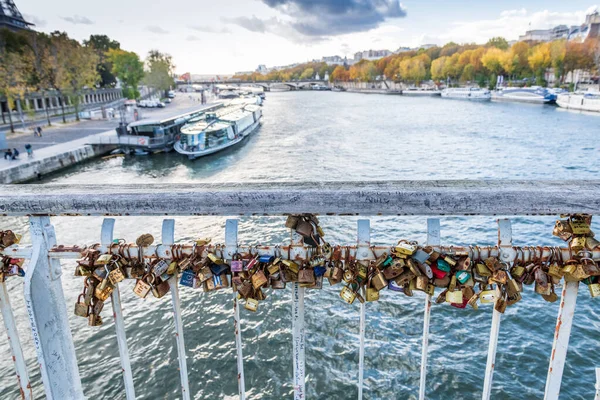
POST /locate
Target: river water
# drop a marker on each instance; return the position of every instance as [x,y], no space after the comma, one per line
[308,136]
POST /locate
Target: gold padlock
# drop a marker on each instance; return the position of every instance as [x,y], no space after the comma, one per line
[594,289]
[251,305]
[348,295]
[455,297]
[372,294]
[378,281]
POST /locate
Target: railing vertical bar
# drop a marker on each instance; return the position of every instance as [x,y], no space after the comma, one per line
[231,241]
[168,239]
[298,334]
[106,238]
[363,244]
[15,344]
[433,239]
[45,302]
[504,241]
[560,345]
[597,384]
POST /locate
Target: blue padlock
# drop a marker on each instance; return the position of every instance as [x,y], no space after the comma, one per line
[188,278]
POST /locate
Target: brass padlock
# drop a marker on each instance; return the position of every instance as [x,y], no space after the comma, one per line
[577,244]
[104,259]
[103,294]
[81,309]
[141,288]
[594,289]
[161,289]
[455,296]
[291,266]
[378,281]
[482,269]
[579,225]
[562,229]
[292,221]
[306,276]
[372,294]
[251,305]
[493,264]
[405,248]
[421,283]
[116,275]
[348,295]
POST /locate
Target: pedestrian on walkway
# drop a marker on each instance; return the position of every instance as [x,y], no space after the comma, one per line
[15,154]
[39,131]
[8,154]
[29,150]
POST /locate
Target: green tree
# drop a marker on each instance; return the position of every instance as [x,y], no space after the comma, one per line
[101,45]
[308,73]
[497,42]
[540,60]
[77,72]
[13,77]
[128,67]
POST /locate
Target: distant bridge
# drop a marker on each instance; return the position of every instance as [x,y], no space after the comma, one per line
[266,85]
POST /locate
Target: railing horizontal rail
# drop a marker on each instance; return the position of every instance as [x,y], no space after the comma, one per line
[324,198]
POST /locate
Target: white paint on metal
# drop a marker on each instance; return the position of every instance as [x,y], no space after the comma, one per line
[231,239]
[298,334]
[106,238]
[433,239]
[477,197]
[597,384]
[505,247]
[48,318]
[15,343]
[168,239]
[562,334]
[362,245]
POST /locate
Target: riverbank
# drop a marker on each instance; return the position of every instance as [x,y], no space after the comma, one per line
[52,158]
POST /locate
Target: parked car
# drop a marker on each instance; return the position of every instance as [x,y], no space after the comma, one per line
[160,104]
[171,94]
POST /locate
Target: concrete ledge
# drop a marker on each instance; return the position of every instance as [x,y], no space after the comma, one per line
[324,198]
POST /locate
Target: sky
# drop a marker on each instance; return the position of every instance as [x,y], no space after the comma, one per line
[226,36]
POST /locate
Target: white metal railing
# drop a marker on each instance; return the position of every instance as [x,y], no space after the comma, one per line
[45,300]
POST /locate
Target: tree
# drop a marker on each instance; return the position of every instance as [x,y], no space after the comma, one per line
[339,74]
[493,59]
[540,60]
[13,79]
[438,67]
[78,71]
[101,45]
[128,67]
[497,42]
[308,73]
[558,50]
[520,53]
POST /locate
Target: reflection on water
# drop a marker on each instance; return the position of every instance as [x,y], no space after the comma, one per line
[340,136]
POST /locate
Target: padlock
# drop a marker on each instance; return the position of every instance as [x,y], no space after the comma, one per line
[160,289]
[348,295]
[245,289]
[412,265]
[577,244]
[203,242]
[562,229]
[500,305]
[594,289]
[144,240]
[259,279]
[455,296]
[372,294]
[104,259]
[378,281]
[420,256]
[204,274]
[81,309]
[103,293]
[116,275]
[277,283]
[94,320]
[392,285]
[405,277]
[251,305]
[483,270]
[579,225]
[555,271]
[273,267]
[437,273]
[160,267]
[142,288]
[306,276]
[362,272]
[189,279]
[421,283]
[292,221]
[442,265]
[291,266]
[464,264]
[462,276]
[172,270]
[493,264]
[450,260]
[405,248]
[499,276]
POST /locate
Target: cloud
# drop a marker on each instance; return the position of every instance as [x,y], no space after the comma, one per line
[156,29]
[253,24]
[208,29]
[34,20]
[78,19]
[337,17]
[192,38]
[509,24]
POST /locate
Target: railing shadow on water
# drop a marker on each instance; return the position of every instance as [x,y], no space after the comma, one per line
[44,298]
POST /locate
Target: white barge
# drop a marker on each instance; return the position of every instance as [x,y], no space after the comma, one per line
[580,101]
[476,94]
[213,132]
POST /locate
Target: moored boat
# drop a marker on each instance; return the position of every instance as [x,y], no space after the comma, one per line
[579,101]
[538,95]
[476,94]
[219,130]
[420,92]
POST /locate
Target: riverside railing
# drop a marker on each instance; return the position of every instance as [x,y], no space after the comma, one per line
[44,297]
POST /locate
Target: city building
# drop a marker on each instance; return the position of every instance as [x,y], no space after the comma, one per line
[371,55]
[11,18]
[589,29]
[337,60]
[262,69]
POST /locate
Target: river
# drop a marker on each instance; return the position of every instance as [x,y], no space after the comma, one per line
[324,136]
